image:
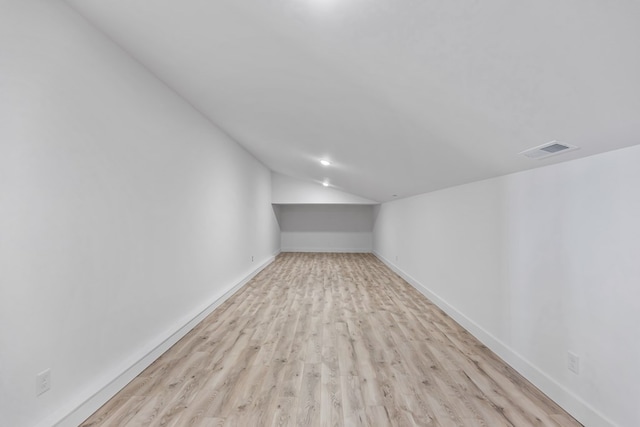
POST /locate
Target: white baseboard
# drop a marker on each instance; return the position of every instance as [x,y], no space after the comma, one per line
[90,401]
[574,405]
[329,250]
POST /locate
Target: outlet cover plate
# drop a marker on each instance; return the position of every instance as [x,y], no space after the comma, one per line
[43,382]
[573,363]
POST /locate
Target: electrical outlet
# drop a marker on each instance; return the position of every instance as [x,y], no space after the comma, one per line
[573,363]
[43,382]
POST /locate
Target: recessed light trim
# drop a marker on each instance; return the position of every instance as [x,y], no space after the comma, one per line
[325,162]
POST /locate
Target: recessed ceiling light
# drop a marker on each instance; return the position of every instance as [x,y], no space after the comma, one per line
[325,162]
[326,184]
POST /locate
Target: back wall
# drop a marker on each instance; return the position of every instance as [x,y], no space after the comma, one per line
[326,228]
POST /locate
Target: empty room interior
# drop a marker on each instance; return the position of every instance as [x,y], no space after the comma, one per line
[319,212]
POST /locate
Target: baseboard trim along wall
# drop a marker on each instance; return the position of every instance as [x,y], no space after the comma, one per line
[571,403]
[92,400]
[330,250]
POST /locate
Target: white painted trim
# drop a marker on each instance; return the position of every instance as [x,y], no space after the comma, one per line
[331,250]
[574,405]
[76,412]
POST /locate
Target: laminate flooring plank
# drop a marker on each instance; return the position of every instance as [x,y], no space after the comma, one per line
[329,340]
[125,412]
[331,413]
[309,396]
[352,401]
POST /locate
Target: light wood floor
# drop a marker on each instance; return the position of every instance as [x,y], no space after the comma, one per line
[330,340]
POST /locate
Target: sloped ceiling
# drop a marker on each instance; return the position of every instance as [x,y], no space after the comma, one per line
[404,97]
[290,191]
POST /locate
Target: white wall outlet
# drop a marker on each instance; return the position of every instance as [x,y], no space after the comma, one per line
[573,363]
[43,382]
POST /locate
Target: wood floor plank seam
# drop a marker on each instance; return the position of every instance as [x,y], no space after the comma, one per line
[329,339]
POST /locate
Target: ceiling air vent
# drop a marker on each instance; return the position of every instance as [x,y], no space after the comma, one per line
[549,149]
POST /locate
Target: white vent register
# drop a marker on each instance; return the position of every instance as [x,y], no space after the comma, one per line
[549,149]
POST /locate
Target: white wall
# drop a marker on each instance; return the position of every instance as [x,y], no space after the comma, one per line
[326,228]
[537,264]
[123,213]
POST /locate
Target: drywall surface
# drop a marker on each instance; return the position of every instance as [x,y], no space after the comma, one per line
[123,212]
[537,264]
[326,228]
[287,190]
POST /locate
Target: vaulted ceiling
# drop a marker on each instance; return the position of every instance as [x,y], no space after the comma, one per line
[403,96]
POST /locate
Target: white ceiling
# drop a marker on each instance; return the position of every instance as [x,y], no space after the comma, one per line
[404,96]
